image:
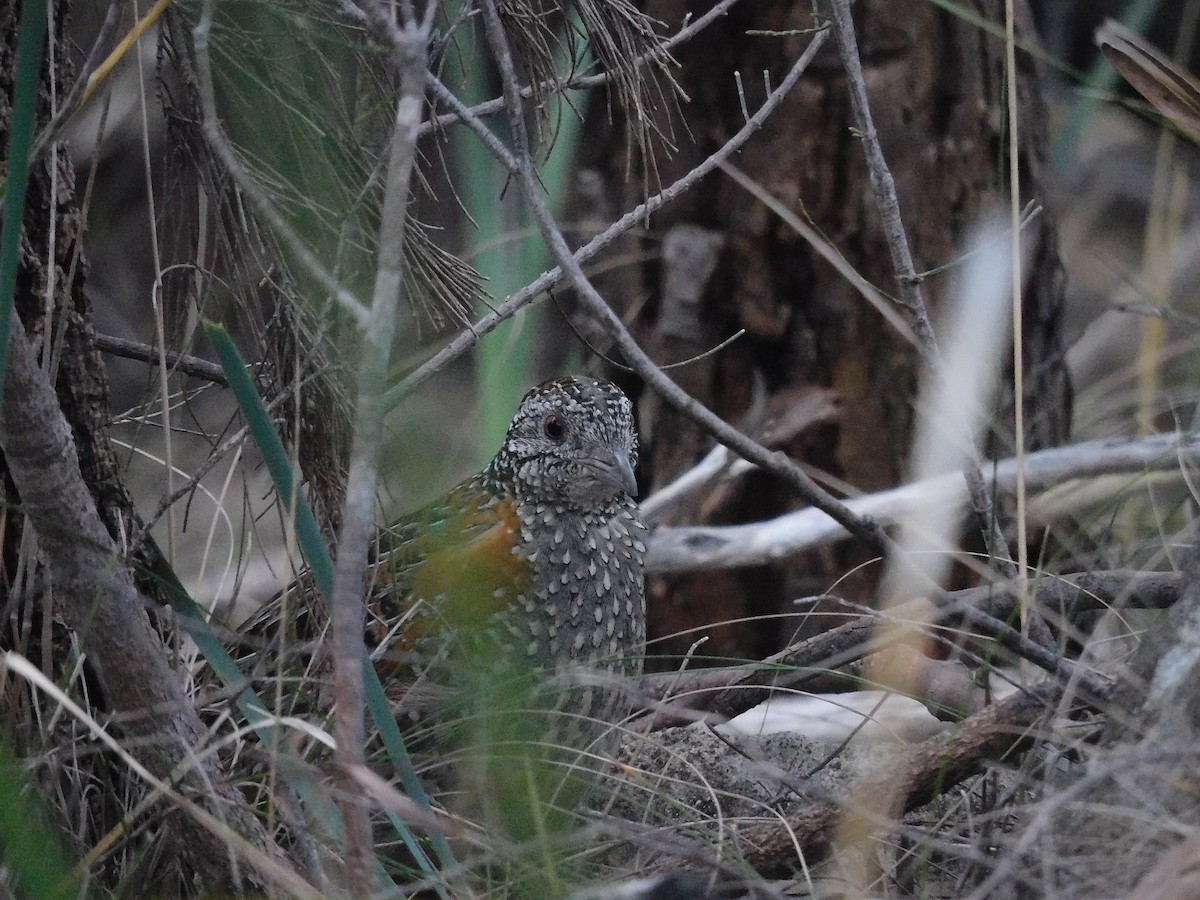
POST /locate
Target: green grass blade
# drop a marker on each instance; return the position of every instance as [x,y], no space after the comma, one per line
[20,138]
[1102,78]
[29,848]
[506,248]
[316,554]
[194,621]
[253,708]
[258,421]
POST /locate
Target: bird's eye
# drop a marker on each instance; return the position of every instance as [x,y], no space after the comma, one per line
[554,428]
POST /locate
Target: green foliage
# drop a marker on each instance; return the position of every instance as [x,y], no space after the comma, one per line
[307,152]
[275,455]
[30,848]
[316,554]
[519,766]
[20,138]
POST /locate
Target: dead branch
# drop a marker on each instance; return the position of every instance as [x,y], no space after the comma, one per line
[188,365]
[99,601]
[675,549]
[409,49]
[729,692]
[996,734]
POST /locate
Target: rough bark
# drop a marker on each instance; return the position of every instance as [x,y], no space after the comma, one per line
[64,480]
[936,89]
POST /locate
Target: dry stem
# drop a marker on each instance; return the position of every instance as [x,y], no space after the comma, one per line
[358,519]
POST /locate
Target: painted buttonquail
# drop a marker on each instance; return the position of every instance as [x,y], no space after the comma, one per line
[540,554]
[534,562]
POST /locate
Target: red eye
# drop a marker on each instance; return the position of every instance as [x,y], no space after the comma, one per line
[554,428]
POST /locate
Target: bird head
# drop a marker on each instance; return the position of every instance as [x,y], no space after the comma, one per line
[572,445]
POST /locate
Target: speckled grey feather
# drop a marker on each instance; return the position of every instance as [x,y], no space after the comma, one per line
[580,528]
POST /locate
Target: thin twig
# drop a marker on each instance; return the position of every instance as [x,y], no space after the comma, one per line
[485,134]
[67,109]
[181,362]
[825,250]
[1018,327]
[720,465]
[882,183]
[358,518]
[911,299]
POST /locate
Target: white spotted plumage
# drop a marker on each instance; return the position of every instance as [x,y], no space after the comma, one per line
[580,529]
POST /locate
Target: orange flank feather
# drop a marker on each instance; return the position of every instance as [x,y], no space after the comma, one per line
[464,573]
[469,582]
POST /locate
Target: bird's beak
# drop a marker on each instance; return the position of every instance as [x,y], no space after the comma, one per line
[616,470]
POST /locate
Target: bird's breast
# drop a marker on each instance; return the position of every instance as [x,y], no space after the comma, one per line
[586,601]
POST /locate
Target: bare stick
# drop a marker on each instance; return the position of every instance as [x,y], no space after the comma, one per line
[485,134]
[911,298]
[358,518]
[188,365]
[682,549]
[719,463]
[882,183]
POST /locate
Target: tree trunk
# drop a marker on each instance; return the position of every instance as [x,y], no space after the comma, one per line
[936,87]
[62,475]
